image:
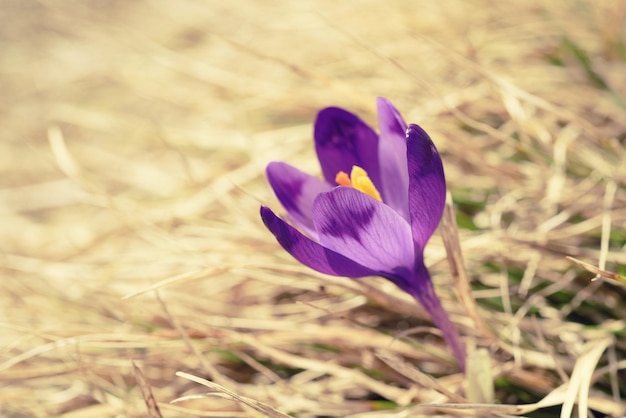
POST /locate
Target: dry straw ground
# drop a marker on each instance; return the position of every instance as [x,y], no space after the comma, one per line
[133,140]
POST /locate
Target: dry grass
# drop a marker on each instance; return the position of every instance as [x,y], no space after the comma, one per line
[133,141]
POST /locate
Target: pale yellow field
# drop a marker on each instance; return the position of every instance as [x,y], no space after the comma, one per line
[133,142]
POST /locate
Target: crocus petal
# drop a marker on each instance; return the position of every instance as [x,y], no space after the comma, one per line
[427,185]
[296,191]
[423,291]
[310,253]
[342,140]
[393,162]
[366,231]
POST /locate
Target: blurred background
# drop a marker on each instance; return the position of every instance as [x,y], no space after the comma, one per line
[133,142]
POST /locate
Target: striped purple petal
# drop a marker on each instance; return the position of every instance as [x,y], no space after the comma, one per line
[392,155]
[366,231]
[427,185]
[310,253]
[342,140]
[296,191]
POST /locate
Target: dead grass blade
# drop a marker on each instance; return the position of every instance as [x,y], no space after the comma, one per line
[146,392]
[423,379]
[598,271]
[579,385]
[178,279]
[260,407]
[450,235]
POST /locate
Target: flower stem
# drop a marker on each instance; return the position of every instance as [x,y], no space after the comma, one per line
[426,296]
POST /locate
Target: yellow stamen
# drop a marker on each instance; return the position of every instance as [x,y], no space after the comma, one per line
[359,180]
[342,179]
[362,182]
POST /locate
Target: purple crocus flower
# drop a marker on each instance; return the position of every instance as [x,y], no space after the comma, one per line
[374,221]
